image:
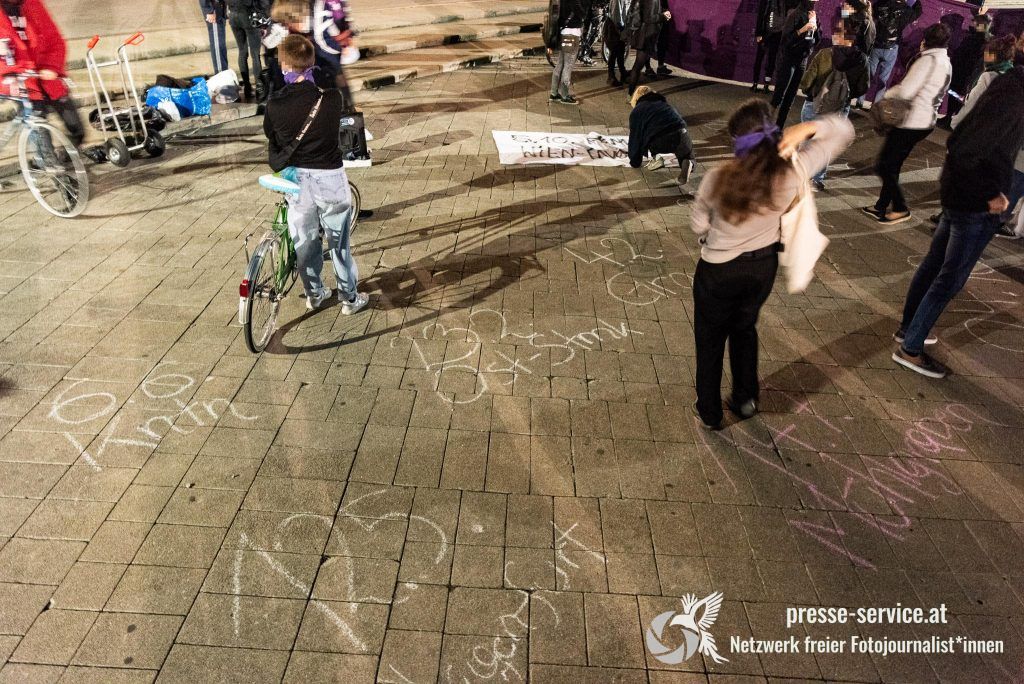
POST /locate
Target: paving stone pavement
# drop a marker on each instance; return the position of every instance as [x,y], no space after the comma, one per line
[493,474]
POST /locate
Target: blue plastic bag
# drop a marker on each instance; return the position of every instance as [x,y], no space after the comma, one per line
[194,101]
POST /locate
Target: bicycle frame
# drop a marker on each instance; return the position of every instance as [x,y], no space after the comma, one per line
[286,261]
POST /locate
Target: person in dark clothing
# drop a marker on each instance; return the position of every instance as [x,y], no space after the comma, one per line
[645,21]
[861,21]
[968,61]
[771,15]
[247,37]
[302,124]
[616,37]
[799,34]
[215,14]
[656,127]
[976,179]
[565,49]
[589,35]
[892,17]
[662,46]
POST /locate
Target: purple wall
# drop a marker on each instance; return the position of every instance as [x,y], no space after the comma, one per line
[716,37]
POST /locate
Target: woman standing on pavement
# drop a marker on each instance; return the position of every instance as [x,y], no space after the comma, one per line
[737,218]
[563,44]
[616,37]
[923,89]
[799,34]
[646,18]
[249,41]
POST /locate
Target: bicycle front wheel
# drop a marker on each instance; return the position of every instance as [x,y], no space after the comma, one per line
[357,205]
[263,291]
[53,170]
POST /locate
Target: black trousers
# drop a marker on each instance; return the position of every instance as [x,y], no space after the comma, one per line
[899,143]
[248,40]
[643,59]
[663,44]
[769,46]
[677,142]
[616,49]
[67,111]
[787,83]
[727,301]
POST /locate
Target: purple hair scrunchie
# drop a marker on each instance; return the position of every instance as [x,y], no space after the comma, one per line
[743,145]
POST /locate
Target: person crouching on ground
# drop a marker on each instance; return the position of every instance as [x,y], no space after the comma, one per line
[976,179]
[301,123]
[737,217]
[656,127]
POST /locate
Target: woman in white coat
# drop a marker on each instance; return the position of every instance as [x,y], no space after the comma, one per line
[923,88]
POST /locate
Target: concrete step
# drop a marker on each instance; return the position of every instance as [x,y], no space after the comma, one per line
[373,23]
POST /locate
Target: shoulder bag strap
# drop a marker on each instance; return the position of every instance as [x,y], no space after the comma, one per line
[288,150]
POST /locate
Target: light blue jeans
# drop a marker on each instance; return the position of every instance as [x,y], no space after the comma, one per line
[807,114]
[324,200]
[886,59]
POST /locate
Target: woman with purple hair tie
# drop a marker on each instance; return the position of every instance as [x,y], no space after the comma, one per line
[737,217]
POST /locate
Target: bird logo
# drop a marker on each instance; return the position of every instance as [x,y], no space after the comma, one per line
[694,620]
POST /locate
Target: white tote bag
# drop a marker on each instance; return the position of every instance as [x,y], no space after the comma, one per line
[803,242]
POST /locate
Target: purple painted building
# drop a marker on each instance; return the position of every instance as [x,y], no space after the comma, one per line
[716,37]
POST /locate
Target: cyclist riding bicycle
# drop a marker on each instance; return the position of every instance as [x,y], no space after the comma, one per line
[31,41]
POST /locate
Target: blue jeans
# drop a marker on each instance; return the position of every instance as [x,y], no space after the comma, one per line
[886,58]
[324,200]
[807,114]
[956,247]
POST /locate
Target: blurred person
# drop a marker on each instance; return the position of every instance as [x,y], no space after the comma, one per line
[215,14]
[976,178]
[616,37]
[892,17]
[737,218]
[923,87]
[248,40]
[31,41]
[968,60]
[645,21]
[771,15]
[799,35]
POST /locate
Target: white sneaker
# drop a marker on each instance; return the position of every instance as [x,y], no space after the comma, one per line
[655,164]
[313,303]
[356,305]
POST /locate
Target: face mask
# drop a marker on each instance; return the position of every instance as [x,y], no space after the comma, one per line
[291,77]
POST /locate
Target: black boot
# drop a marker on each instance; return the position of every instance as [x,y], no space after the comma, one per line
[246,87]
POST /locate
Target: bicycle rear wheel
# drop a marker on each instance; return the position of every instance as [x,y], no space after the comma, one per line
[53,170]
[262,292]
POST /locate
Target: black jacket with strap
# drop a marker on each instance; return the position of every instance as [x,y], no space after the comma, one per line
[891,18]
[771,15]
[983,148]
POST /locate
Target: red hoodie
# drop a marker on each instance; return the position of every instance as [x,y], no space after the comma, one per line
[44,48]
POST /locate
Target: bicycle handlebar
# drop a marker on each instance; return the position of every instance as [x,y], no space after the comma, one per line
[134,39]
[92,42]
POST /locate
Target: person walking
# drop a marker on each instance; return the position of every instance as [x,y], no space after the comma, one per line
[656,127]
[892,17]
[215,14]
[564,48]
[976,179]
[799,34]
[835,75]
[737,218]
[248,40]
[922,89]
[771,15]
[662,45]
[616,38]
[645,20]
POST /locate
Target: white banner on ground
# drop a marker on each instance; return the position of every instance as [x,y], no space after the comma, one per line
[591,149]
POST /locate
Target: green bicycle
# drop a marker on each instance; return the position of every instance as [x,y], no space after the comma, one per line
[272,272]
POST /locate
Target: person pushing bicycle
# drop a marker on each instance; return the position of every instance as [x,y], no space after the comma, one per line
[31,42]
[302,123]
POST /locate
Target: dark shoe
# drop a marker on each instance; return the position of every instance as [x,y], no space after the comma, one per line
[817,185]
[554,97]
[365,213]
[754,87]
[935,218]
[664,71]
[929,341]
[872,212]
[745,410]
[714,427]
[570,100]
[1007,231]
[922,363]
[650,73]
[614,82]
[894,217]
[685,171]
